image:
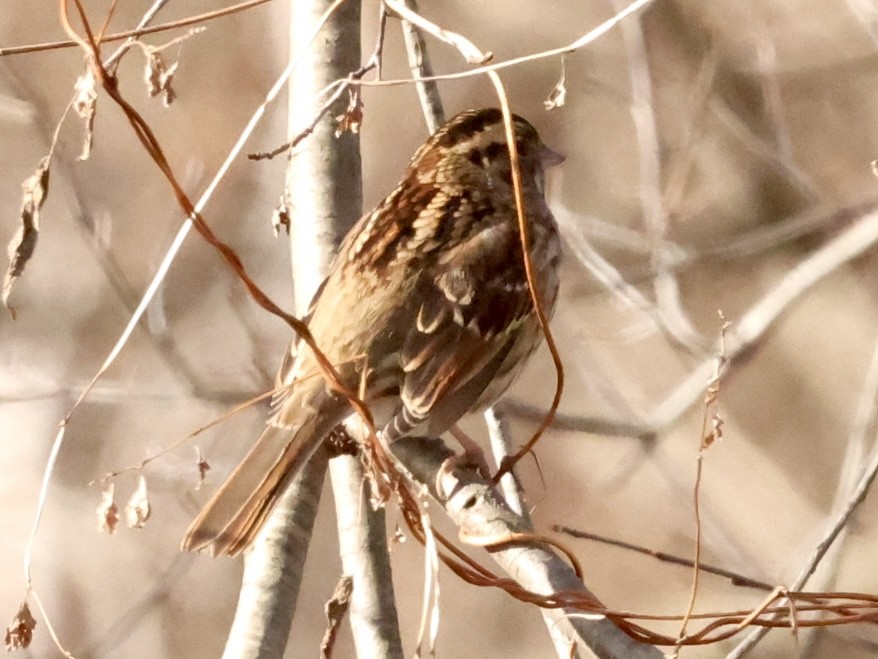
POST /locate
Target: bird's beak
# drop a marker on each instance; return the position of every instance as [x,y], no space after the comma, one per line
[550,157]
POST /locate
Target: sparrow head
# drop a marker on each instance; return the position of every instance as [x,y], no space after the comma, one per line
[474,142]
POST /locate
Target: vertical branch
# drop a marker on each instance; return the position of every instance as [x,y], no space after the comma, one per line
[324,185]
[273,570]
[324,188]
[419,63]
[324,174]
[362,534]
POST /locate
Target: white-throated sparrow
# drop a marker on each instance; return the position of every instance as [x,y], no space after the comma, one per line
[427,303]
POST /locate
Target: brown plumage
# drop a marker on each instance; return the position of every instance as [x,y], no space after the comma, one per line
[428,294]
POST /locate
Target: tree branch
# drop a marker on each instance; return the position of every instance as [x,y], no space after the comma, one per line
[478,510]
[325,191]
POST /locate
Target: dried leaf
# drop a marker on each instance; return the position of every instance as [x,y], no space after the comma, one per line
[281,216]
[398,537]
[34,191]
[711,396]
[335,610]
[352,118]
[716,432]
[159,76]
[138,510]
[108,511]
[203,468]
[85,104]
[21,632]
[558,95]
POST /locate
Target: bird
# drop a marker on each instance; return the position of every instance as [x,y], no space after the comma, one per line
[426,310]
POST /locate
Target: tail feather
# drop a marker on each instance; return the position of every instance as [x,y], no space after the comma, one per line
[230,521]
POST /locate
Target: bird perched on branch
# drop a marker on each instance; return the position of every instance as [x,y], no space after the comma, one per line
[426,310]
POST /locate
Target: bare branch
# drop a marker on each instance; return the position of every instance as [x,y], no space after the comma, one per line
[362,534]
[674,320]
[475,506]
[267,601]
[749,329]
[141,30]
[324,189]
[513,493]
[865,421]
[419,63]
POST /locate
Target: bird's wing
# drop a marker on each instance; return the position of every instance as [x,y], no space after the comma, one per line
[286,374]
[466,323]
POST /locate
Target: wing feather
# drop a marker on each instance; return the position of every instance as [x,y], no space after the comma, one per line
[465,326]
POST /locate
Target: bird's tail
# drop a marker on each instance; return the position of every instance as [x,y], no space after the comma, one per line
[236,512]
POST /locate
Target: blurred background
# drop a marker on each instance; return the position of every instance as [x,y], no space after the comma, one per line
[718,158]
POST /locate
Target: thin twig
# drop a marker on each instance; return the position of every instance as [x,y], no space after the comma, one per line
[857,496]
[193,212]
[608,275]
[87,220]
[587,38]
[752,326]
[674,320]
[419,63]
[760,148]
[513,493]
[49,469]
[711,430]
[735,578]
[531,283]
[766,65]
[140,466]
[335,91]
[52,633]
[476,55]
[578,423]
[124,622]
[139,31]
[681,164]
